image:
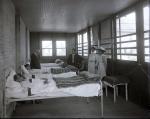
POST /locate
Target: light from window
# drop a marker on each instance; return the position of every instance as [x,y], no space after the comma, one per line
[126,37]
[146,18]
[46,48]
[146,33]
[91,35]
[79,44]
[61,48]
[85,44]
[128,24]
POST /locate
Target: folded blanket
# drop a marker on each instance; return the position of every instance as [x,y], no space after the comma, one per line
[88,75]
[74,81]
[59,70]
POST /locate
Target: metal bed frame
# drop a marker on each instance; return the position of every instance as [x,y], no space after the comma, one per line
[7,101]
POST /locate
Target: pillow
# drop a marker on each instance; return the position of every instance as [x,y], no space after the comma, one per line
[11,83]
[10,77]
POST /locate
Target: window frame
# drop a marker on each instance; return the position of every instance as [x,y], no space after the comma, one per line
[147,38]
[61,48]
[46,48]
[119,35]
[82,44]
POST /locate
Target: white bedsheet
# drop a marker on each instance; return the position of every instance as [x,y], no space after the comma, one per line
[65,75]
[84,90]
[49,65]
[38,88]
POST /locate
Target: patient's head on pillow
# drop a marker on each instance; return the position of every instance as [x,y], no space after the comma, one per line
[18,78]
[27,66]
[58,61]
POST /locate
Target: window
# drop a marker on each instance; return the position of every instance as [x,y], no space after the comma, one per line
[46,48]
[85,44]
[91,35]
[80,44]
[146,34]
[126,37]
[60,48]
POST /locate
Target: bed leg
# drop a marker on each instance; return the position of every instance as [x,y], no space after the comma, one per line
[14,107]
[114,93]
[126,88]
[106,90]
[102,108]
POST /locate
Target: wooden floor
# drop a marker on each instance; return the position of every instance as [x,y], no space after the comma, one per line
[76,107]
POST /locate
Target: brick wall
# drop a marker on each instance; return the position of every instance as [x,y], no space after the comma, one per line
[13,43]
[7,42]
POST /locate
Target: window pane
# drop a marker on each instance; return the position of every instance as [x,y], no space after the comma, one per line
[118,45]
[118,40]
[86,47]
[118,51]
[146,42]
[146,51]
[128,38]
[61,52]
[128,51]
[118,56]
[60,44]
[85,44]
[128,24]
[46,44]
[85,40]
[129,44]
[85,55]
[147,59]
[46,52]
[146,35]
[128,57]
[146,18]
[80,48]
[117,27]
[79,39]
[91,34]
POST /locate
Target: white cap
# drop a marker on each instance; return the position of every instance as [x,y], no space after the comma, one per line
[101,48]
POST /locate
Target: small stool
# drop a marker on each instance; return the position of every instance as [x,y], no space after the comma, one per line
[114,82]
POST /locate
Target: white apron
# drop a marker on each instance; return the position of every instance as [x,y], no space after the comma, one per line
[97,64]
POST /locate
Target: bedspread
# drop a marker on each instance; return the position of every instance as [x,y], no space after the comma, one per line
[74,81]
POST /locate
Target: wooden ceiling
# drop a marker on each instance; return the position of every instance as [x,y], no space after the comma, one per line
[66,15]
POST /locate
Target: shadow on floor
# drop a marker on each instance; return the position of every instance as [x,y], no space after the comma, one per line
[77,107]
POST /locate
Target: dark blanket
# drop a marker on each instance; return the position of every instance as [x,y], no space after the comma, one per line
[60,70]
[75,81]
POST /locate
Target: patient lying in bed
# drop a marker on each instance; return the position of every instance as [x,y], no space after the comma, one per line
[18,87]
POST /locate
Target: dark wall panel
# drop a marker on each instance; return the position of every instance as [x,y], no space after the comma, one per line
[22,39]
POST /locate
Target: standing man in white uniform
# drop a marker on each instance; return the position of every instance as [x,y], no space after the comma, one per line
[97,61]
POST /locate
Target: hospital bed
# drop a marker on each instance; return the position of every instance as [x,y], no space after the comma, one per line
[80,91]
